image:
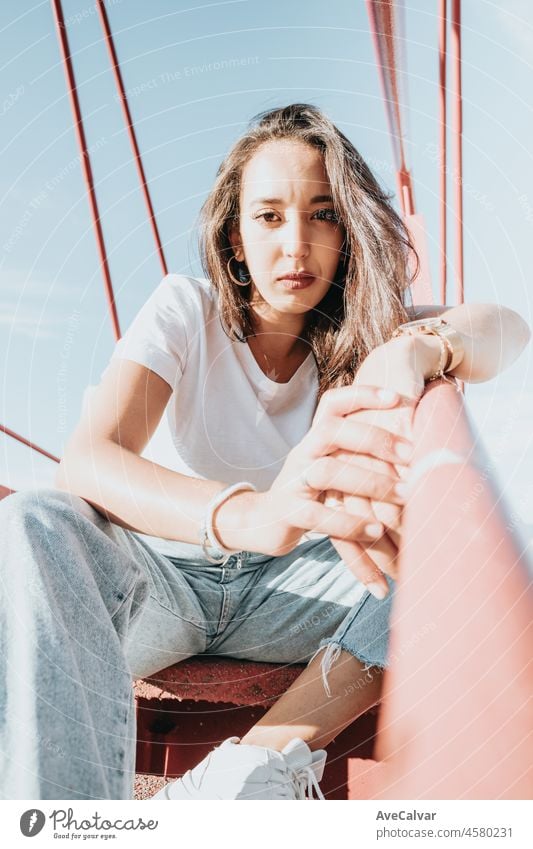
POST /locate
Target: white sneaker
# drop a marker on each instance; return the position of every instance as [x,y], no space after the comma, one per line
[234,771]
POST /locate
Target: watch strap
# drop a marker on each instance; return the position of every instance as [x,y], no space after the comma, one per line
[446,333]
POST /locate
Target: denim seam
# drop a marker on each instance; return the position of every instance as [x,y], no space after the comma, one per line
[125,598]
[222,622]
[196,624]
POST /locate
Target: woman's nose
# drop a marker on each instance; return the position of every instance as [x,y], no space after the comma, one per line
[295,238]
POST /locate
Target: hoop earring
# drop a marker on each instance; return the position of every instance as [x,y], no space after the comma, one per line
[244,279]
[342,268]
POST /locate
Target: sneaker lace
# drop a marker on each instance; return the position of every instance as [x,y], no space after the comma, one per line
[304,782]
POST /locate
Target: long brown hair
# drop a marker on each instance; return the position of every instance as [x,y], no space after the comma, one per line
[366,299]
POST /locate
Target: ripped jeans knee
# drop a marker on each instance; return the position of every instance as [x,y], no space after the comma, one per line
[364,633]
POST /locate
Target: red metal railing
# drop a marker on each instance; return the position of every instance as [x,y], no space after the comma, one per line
[27,442]
[85,160]
[457,714]
[387,25]
[104,20]
[382,16]
[457,128]
[442,150]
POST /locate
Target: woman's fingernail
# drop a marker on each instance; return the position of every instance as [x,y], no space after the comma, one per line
[374,530]
[377,590]
[401,489]
[404,450]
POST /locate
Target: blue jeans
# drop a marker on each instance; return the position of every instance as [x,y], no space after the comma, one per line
[86,605]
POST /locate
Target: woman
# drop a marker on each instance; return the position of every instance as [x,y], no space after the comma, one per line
[275,536]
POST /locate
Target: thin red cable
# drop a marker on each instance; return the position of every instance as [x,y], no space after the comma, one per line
[85,160]
[389,38]
[383,79]
[458,146]
[104,20]
[24,441]
[381,16]
[442,147]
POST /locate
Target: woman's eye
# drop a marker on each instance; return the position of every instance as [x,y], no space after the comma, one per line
[327,215]
[269,217]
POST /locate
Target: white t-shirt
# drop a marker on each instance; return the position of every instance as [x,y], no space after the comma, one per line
[227,420]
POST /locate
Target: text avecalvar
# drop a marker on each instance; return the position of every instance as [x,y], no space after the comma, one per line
[406,815]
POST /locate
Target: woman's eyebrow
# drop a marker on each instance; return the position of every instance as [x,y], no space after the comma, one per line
[315,199]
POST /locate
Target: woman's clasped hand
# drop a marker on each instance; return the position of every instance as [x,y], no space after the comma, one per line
[345,478]
[333,458]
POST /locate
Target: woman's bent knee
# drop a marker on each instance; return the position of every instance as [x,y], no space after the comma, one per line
[44,514]
[56,545]
[43,502]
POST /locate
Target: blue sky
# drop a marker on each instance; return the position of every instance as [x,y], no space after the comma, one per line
[196,73]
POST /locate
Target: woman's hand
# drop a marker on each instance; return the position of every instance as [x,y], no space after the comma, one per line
[325,459]
[403,365]
[371,561]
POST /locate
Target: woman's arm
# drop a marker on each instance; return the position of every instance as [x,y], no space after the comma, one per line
[493,336]
[101,461]
[101,464]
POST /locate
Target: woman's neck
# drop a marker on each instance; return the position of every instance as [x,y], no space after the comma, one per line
[280,334]
[277,344]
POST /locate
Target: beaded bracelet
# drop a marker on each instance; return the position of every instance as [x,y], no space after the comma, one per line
[207,534]
[445,358]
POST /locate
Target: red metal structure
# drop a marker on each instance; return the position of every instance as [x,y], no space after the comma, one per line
[442,148]
[456,717]
[85,159]
[104,20]
[458,146]
[24,441]
[385,20]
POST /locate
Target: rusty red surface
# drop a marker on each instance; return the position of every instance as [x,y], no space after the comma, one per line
[219,680]
[173,736]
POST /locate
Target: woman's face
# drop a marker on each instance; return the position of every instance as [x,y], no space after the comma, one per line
[288,226]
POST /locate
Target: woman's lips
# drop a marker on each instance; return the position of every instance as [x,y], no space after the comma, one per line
[296,282]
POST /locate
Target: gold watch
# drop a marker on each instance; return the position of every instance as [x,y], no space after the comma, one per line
[452,343]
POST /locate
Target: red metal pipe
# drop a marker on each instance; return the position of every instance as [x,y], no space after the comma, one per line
[380,59]
[458,145]
[85,160]
[457,716]
[24,441]
[388,37]
[104,20]
[442,147]
[405,189]
[381,18]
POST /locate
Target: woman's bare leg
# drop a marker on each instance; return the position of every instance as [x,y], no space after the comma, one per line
[306,711]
